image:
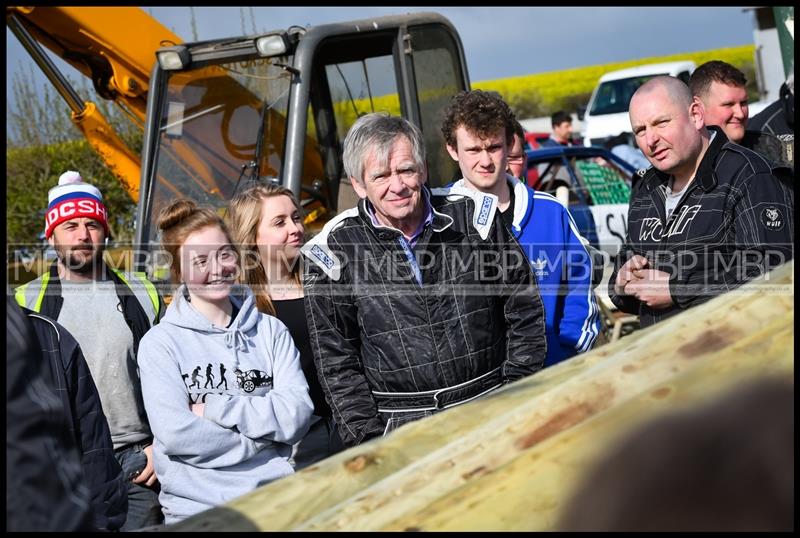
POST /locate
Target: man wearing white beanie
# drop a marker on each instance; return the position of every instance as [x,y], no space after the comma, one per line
[108,312]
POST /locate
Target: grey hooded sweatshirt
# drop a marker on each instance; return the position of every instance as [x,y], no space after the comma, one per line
[256,404]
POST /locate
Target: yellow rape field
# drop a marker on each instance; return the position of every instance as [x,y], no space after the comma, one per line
[544,93]
[552,90]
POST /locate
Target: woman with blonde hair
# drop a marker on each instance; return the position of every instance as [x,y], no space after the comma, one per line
[213,444]
[267,225]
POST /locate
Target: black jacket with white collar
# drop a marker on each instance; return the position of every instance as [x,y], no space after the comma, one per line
[734,222]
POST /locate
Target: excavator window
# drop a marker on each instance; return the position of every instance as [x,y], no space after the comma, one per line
[209,135]
[358,88]
[438,77]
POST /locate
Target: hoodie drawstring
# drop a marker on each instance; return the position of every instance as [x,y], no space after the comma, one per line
[234,339]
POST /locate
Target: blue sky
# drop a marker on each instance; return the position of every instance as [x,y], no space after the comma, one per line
[498,41]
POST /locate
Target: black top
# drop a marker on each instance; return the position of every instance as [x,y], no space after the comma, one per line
[777,118]
[65,369]
[47,479]
[739,208]
[292,313]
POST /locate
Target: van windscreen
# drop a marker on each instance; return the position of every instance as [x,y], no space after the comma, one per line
[613,96]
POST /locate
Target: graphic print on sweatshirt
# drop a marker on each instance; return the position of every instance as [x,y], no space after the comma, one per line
[251,382]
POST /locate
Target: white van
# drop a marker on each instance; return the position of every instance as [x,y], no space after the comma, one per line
[607,113]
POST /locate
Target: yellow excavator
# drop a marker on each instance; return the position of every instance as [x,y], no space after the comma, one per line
[217,114]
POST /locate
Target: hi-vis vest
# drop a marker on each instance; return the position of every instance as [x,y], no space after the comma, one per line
[32,294]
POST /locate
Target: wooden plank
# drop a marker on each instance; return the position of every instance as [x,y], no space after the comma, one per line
[510,461]
[528,492]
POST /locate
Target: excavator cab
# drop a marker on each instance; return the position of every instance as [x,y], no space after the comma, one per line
[276,108]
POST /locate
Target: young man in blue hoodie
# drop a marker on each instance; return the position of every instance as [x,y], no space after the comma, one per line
[479,132]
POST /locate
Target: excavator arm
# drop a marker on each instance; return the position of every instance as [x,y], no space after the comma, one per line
[114,47]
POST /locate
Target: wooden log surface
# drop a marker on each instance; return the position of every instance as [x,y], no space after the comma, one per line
[511,460]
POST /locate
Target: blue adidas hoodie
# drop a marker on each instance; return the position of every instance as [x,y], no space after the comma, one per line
[563,267]
[256,403]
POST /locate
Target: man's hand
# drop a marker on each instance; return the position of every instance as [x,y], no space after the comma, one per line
[198,409]
[651,287]
[148,475]
[626,273]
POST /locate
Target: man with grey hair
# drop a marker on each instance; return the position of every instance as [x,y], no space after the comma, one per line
[416,300]
[705,218]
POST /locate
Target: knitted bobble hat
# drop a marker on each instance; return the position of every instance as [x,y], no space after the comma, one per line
[72,199]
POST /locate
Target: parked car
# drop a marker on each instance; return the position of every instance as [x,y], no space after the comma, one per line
[607,113]
[595,185]
[535,139]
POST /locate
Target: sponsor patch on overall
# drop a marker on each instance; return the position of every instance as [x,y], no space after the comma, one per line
[483,215]
[321,256]
[772,219]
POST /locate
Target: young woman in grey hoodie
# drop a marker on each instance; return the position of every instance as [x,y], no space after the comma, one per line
[222,383]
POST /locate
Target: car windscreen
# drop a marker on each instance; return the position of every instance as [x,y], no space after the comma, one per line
[613,96]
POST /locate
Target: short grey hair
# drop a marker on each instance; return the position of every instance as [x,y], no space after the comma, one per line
[376,133]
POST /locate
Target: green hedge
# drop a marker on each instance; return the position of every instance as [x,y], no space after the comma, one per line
[32,171]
